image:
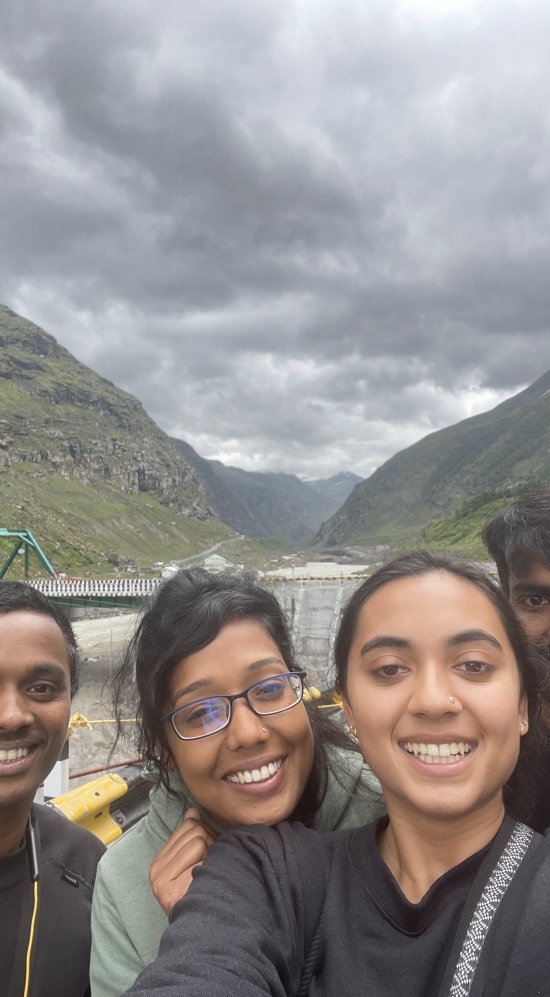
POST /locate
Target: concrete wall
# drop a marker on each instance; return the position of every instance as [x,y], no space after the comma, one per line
[314,609]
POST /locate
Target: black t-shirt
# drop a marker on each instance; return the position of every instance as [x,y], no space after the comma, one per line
[68,858]
[269,902]
[14,880]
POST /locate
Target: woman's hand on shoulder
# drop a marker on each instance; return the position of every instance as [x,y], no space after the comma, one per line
[171,870]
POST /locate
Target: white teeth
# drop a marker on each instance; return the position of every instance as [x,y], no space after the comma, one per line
[438,754]
[13,753]
[254,775]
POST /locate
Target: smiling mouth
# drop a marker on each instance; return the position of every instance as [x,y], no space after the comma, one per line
[256,775]
[439,754]
[13,754]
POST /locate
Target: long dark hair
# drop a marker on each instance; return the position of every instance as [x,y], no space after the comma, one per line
[520,790]
[186,615]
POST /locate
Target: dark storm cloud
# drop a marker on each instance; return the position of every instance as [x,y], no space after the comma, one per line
[304,234]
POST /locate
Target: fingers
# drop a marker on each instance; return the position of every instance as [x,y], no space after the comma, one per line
[177,889]
[190,828]
[170,872]
[170,882]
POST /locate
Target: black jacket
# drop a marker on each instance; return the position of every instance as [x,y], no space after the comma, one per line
[68,857]
[285,912]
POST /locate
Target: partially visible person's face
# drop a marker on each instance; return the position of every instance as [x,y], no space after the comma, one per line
[530,597]
[278,749]
[433,689]
[35,703]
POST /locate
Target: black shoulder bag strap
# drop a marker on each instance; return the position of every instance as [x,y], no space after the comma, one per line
[459,976]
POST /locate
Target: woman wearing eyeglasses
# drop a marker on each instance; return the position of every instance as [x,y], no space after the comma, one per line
[221,719]
[446,896]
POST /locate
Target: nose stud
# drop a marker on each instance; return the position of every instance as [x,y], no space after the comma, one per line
[451,699]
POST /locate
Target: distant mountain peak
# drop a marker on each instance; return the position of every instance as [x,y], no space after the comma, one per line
[497,449]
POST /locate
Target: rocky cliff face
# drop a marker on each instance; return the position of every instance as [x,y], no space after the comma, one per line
[61,417]
[84,467]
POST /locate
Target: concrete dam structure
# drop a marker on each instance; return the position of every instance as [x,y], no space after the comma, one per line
[314,608]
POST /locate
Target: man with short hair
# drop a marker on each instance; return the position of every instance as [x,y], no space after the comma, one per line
[47,863]
[518,540]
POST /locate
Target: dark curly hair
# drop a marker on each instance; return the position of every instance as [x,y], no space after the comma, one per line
[520,790]
[186,615]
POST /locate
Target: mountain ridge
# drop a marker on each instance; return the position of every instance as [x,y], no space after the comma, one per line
[83,465]
[268,504]
[501,448]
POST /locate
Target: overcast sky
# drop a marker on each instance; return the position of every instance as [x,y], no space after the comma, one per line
[304,233]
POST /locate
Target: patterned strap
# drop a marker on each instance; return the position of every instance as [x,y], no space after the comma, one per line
[499,881]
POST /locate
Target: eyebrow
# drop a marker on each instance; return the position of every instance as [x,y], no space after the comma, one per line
[471,636]
[384,641]
[466,637]
[202,683]
[531,588]
[37,671]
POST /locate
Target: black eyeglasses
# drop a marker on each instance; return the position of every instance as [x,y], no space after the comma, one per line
[207,716]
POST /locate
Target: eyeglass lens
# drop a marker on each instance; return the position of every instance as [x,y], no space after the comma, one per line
[272,695]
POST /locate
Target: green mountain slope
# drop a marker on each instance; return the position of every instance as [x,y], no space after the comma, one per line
[225,503]
[495,450]
[281,504]
[83,465]
[264,504]
[462,531]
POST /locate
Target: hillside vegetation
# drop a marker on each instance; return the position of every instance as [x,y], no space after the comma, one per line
[268,504]
[461,531]
[498,450]
[84,467]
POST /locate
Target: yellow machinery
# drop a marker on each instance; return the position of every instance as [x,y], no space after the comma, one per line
[108,806]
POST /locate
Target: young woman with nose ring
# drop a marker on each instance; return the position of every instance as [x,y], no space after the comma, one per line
[223,723]
[447,895]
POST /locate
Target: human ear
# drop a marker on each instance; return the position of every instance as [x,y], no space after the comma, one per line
[165,757]
[523,715]
[349,716]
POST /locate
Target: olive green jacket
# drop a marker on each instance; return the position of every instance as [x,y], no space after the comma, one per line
[127,920]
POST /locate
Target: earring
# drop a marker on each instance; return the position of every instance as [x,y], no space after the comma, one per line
[451,699]
[353,731]
[521,726]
